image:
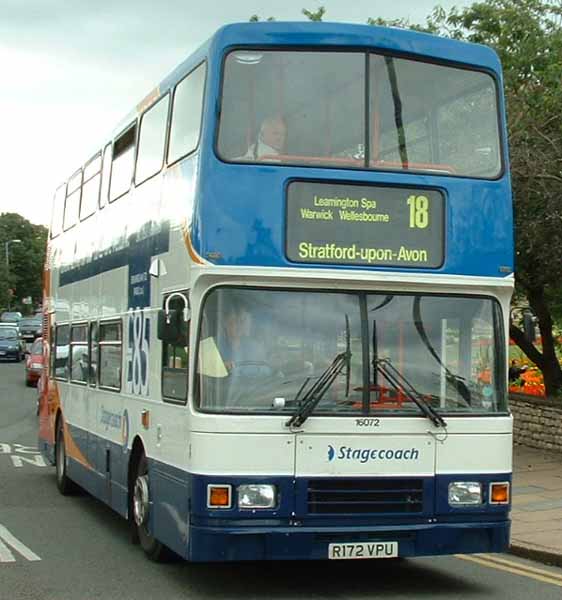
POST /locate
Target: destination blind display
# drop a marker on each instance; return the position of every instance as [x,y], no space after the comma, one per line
[369,225]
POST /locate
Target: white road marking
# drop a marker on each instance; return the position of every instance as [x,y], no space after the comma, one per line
[26,449]
[36,461]
[5,554]
[10,540]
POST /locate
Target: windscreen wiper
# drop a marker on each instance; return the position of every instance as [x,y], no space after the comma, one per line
[393,375]
[312,397]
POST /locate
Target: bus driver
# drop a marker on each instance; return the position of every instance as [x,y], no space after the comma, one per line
[240,351]
[271,139]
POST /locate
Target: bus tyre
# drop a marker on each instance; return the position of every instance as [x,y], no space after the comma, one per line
[141,503]
[65,485]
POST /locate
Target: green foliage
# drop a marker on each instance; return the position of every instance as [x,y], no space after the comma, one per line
[26,259]
[3,284]
[402,24]
[256,18]
[314,15]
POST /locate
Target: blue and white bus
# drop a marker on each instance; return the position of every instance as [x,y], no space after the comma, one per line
[277,302]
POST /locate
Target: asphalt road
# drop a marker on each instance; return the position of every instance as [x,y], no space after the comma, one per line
[75,548]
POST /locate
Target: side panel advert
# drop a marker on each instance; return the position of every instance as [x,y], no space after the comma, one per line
[365,225]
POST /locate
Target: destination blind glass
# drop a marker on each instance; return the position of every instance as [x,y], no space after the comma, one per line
[364,225]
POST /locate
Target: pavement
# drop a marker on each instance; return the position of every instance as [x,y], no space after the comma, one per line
[536,529]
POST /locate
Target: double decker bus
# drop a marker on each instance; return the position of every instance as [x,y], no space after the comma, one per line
[277,301]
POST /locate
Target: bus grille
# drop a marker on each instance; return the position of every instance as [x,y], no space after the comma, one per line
[365,496]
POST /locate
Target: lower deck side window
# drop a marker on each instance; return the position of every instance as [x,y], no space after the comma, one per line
[110,347]
[175,359]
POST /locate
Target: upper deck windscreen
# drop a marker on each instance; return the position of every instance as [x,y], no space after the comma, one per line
[312,108]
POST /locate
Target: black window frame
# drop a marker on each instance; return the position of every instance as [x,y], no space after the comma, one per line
[103,199]
[93,380]
[500,364]
[367,52]
[57,327]
[133,126]
[164,357]
[70,192]
[162,98]
[72,344]
[201,115]
[97,155]
[62,186]
[101,344]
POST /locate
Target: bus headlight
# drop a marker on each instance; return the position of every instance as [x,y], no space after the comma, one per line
[465,493]
[257,496]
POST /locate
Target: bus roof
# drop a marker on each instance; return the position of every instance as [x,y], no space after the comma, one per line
[310,34]
[393,39]
[342,35]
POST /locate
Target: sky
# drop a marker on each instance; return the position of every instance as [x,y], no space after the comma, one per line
[72,69]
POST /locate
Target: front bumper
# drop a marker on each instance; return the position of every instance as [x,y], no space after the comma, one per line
[10,354]
[311,543]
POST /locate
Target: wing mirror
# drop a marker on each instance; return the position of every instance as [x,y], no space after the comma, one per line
[173,324]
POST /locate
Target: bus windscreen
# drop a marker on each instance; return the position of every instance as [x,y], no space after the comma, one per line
[262,351]
[314,109]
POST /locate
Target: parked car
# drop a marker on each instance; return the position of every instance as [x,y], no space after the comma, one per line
[10,317]
[11,345]
[30,328]
[34,363]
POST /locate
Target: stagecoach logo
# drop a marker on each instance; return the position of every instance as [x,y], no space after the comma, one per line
[365,455]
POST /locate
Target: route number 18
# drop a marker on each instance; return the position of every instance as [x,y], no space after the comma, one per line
[419,212]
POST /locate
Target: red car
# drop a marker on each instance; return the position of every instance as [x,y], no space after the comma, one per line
[34,363]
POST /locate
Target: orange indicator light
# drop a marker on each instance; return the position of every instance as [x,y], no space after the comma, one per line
[219,496]
[499,493]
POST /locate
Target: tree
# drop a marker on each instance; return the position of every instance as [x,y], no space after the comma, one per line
[26,259]
[314,15]
[527,34]
[255,19]
[3,285]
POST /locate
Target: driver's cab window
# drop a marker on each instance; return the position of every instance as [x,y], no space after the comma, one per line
[175,358]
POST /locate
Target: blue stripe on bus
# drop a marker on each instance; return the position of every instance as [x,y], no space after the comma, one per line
[123,253]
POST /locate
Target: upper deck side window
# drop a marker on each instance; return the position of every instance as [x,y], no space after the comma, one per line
[91,187]
[72,204]
[152,140]
[186,114]
[123,162]
[58,211]
[105,175]
[357,110]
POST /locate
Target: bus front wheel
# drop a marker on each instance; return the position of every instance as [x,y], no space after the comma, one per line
[141,503]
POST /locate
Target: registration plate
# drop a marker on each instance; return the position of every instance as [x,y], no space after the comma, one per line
[363,550]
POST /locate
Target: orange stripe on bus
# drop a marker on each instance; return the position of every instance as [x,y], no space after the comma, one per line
[72,448]
[192,253]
